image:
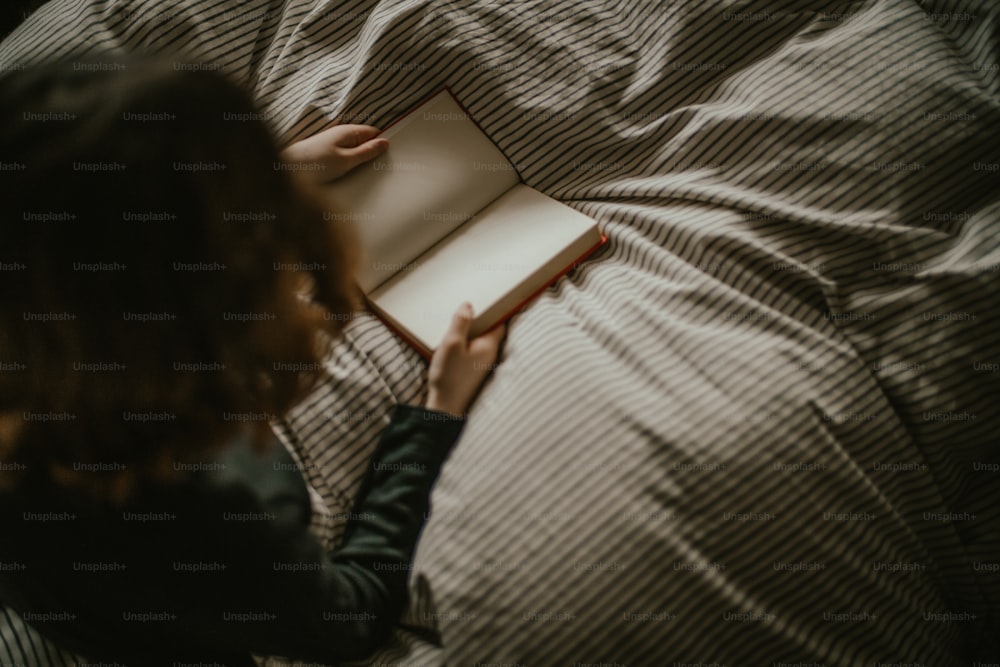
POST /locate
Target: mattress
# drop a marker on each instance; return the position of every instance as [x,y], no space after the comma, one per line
[758,427]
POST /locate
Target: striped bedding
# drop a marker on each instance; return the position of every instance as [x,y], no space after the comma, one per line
[759,427]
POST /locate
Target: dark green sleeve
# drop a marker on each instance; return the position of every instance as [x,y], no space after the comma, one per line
[339,606]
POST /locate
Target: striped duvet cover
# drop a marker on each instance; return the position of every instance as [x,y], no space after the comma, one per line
[759,427]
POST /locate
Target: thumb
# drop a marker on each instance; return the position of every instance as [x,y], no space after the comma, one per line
[461,321]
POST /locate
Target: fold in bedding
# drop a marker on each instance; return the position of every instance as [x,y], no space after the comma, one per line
[759,426]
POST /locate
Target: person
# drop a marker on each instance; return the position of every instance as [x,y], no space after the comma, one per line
[162,262]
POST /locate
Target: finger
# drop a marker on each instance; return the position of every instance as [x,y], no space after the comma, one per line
[350,136]
[488,344]
[366,152]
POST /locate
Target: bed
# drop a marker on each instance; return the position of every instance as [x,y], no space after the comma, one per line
[759,426]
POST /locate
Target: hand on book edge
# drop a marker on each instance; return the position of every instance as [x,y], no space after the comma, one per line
[336,151]
[460,366]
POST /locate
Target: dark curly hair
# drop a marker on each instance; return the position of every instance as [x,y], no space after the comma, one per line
[166,281]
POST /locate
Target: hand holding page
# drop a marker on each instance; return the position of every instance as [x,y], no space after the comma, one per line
[443,218]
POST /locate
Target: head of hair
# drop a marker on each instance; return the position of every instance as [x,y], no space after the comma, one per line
[168,281]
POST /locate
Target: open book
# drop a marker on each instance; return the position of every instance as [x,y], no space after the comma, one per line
[443,218]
